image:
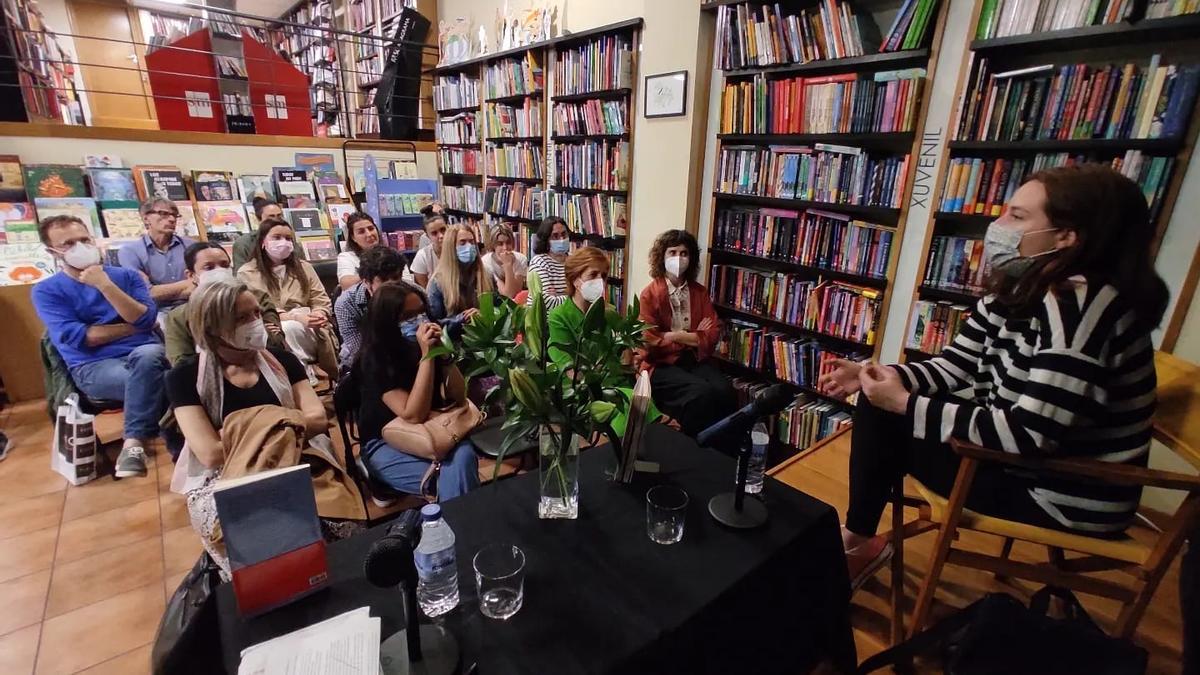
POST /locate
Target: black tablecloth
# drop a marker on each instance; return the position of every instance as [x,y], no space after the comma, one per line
[600,597]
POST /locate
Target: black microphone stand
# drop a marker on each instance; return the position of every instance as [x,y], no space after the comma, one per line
[732,509]
[402,653]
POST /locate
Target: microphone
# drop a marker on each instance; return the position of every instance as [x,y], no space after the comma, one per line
[390,559]
[769,401]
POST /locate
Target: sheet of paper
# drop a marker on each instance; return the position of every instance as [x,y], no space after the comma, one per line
[347,644]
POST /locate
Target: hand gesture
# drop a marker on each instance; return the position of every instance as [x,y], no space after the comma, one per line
[428,334]
[883,387]
[842,380]
[505,258]
[95,276]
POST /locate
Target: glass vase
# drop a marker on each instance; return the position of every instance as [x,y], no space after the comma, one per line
[558,474]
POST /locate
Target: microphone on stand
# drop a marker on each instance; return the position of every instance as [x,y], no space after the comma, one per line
[731,508]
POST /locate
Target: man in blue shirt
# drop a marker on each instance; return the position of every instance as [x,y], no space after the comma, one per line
[101,319]
[159,254]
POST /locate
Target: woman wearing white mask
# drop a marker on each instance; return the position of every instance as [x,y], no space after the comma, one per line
[206,262]
[550,247]
[683,331]
[459,279]
[292,284]
[1056,360]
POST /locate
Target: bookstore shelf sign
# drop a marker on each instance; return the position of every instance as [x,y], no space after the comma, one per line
[666,95]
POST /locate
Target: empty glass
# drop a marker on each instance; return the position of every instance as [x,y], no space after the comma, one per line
[500,580]
[666,508]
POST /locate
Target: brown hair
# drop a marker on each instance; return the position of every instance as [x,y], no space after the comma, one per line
[579,261]
[352,220]
[674,238]
[1113,235]
[500,230]
[57,221]
[265,264]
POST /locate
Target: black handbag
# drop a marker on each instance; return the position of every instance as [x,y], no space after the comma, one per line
[998,635]
[189,637]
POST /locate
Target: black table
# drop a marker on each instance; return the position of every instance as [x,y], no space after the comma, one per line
[600,597]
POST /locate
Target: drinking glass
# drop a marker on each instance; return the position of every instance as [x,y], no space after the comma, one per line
[500,580]
[666,508]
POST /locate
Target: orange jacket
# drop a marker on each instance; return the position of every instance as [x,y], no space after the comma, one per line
[656,311]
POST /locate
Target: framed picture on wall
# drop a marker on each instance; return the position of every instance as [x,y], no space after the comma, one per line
[666,95]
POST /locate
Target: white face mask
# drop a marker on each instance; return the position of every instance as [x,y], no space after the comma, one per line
[1002,248]
[214,275]
[279,249]
[252,335]
[676,265]
[592,289]
[82,256]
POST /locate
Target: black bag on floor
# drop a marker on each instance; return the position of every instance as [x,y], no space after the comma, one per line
[999,635]
[189,636]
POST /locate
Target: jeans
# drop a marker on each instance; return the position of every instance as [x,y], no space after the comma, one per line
[403,472]
[136,380]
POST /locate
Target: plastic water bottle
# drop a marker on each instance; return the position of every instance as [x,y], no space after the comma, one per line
[758,458]
[437,569]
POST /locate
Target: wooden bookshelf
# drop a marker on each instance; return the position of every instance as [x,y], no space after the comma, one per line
[36,75]
[1176,39]
[777,265]
[309,41]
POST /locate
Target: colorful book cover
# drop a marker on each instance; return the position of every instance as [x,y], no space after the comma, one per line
[304,220]
[186,222]
[224,216]
[213,186]
[165,182]
[83,208]
[21,232]
[54,181]
[12,180]
[122,223]
[338,213]
[24,263]
[13,212]
[330,187]
[255,185]
[315,161]
[318,248]
[111,185]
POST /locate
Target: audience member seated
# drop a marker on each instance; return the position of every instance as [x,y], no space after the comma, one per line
[101,320]
[241,406]
[159,254]
[458,281]
[504,264]
[292,284]
[425,262]
[361,235]
[1057,360]
[376,267]
[683,330]
[551,245]
[243,246]
[207,262]
[400,388]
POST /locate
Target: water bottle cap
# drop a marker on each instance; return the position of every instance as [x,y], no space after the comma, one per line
[431,512]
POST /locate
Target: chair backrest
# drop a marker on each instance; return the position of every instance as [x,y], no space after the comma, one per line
[1177,412]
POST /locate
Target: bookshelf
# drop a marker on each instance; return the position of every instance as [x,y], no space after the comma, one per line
[370,25]
[308,41]
[457,125]
[35,62]
[799,264]
[1018,74]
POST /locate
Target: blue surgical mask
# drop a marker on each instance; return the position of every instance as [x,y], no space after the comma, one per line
[1002,249]
[466,253]
[560,246]
[409,327]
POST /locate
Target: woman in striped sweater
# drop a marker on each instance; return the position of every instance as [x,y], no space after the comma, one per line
[550,247]
[1056,360]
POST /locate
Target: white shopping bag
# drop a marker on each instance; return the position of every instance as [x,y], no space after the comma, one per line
[75,444]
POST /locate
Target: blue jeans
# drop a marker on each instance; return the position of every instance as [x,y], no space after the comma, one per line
[403,472]
[136,380]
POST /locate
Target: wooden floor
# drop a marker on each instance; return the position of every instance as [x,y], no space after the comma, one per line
[823,474]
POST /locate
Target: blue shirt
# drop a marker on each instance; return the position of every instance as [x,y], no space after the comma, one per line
[163,267]
[68,307]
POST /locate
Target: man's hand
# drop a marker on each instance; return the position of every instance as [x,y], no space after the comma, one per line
[883,387]
[95,276]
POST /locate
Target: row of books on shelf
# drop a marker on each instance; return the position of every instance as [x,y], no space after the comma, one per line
[361,15]
[404,240]
[836,104]
[814,238]
[460,160]
[455,91]
[800,361]
[807,420]
[513,76]
[403,204]
[1080,101]
[368,72]
[458,128]
[501,120]
[836,309]
[593,165]
[367,119]
[982,186]
[518,160]
[616,265]
[601,215]
[516,200]
[956,264]
[463,198]
[835,174]
[1002,18]
[615,294]
[591,117]
[933,325]
[596,65]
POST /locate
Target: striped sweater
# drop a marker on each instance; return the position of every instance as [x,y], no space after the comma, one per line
[553,278]
[1074,379]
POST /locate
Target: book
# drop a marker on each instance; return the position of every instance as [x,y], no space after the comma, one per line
[293,187]
[112,186]
[12,179]
[165,182]
[122,223]
[304,220]
[254,185]
[12,213]
[272,537]
[83,208]
[186,222]
[213,186]
[315,161]
[224,217]
[98,161]
[25,263]
[339,213]
[318,248]
[330,187]
[54,181]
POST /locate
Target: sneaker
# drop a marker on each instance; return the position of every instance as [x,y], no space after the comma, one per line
[867,558]
[131,462]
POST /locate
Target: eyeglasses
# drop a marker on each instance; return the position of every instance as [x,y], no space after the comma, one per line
[164,214]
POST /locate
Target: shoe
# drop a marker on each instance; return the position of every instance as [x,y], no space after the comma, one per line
[5,445]
[131,462]
[867,558]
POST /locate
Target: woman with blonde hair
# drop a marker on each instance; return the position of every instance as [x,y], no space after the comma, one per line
[459,279]
[507,265]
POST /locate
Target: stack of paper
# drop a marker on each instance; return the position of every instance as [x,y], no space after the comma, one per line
[347,644]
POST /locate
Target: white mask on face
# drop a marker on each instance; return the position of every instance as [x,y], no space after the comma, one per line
[214,275]
[676,265]
[252,335]
[82,256]
[592,289]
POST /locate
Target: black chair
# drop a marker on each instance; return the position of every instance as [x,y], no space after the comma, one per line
[327,272]
[58,383]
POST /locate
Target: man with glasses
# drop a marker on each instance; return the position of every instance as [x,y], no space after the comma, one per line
[158,255]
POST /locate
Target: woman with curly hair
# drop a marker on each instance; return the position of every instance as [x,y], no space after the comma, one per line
[683,330]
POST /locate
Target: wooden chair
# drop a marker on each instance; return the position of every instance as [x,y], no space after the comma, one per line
[1145,565]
